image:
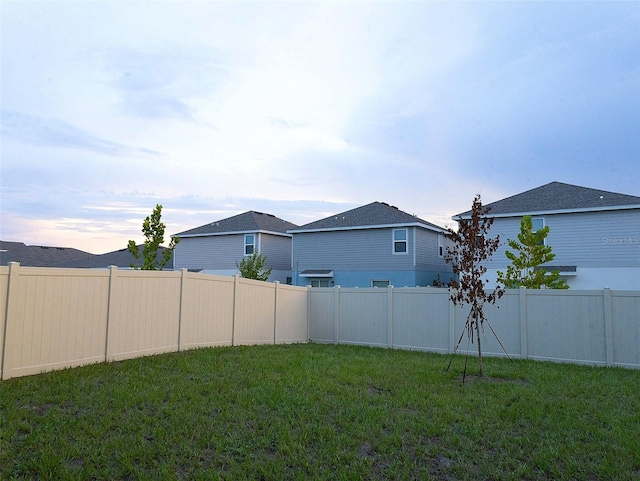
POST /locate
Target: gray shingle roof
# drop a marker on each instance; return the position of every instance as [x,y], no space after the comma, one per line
[121,258]
[370,215]
[38,256]
[557,196]
[251,221]
[45,256]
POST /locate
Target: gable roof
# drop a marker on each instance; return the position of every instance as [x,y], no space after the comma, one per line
[250,221]
[557,197]
[370,216]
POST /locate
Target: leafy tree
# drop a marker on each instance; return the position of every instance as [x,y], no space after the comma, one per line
[253,267]
[531,252]
[153,230]
[471,250]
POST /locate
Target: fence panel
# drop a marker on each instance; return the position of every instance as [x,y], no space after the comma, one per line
[421,319]
[143,314]
[254,312]
[625,309]
[56,318]
[4,285]
[291,314]
[566,326]
[322,315]
[207,311]
[504,318]
[363,316]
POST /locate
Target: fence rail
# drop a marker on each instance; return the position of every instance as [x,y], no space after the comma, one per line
[58,318]
[591,327]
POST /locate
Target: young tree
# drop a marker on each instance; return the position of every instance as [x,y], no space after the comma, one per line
[153,230]
[253,267]
[531,252]
[472,248]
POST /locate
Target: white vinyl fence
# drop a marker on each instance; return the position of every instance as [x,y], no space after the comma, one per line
[590,327]
[58,318]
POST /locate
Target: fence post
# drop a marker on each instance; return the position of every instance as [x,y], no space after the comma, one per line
[9,317]
[452,325]
[608,325]
[308,313]
[524,340]
[336,318]
[183,274]
[113,274]
[275,312]
[235,302]
[390,316]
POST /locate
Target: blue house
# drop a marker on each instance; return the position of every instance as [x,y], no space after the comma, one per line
[375,245]
[595,234]
[215,248]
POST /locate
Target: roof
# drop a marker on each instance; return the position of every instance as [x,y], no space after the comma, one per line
[557,197]
[121,258]
[251,221]
[370,216]
[38,256]
[46,256]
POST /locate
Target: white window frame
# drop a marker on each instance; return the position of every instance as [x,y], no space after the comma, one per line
[247,244]
[399,241]
[533,229]
[440,245]
[319,281]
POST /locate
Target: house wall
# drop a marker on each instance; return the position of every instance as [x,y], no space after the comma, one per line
[209,253]
[590,239]
[359,256]
[604,246]
[218,254]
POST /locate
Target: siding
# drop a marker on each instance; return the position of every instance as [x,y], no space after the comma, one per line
[278,251]
[212,252]
[590,239]
[354,250]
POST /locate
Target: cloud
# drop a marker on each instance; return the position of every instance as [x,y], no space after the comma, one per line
[55,133]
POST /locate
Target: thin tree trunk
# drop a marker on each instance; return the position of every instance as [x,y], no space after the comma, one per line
[475,315]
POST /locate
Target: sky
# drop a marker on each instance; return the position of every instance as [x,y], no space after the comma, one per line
[304,109]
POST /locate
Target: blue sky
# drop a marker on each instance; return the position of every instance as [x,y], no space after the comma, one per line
[304,109]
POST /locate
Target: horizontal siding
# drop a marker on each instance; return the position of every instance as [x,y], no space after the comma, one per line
[209,253]
[590,239]
[277,249]
[353,250]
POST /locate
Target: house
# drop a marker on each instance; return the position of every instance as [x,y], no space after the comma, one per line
[595,234]
[217,247]
[375,245]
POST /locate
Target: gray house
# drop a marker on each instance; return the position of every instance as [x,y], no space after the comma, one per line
[595,234]
[215,248]
[375,245]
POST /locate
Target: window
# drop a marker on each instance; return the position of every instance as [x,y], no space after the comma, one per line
[319,282]
[400,241]
[440,245]
[249,244]
[379,283]
[537,223]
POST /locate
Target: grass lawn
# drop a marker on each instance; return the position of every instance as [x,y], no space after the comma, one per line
[320,412]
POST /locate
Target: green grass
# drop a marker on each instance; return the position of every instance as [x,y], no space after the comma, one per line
[320,412]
